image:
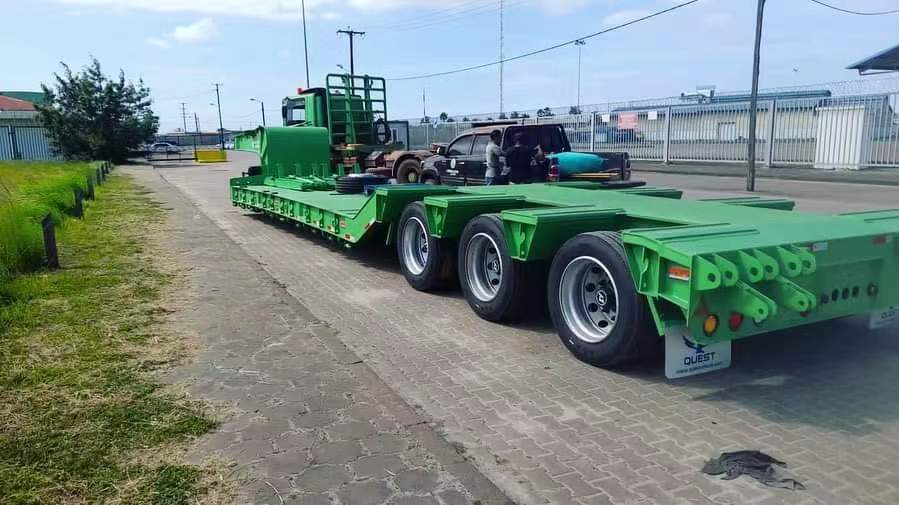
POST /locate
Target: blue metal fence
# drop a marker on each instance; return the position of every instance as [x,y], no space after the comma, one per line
[25,143]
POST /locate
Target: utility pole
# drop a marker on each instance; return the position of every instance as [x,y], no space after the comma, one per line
[261,104]
[424,117]
[197,135]
[218,101]
[184,116]
[579,44]
[501,56]
[350,33]
[754,98]
[305,44]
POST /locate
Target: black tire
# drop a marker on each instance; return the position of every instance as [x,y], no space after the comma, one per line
[355,183]
[438,269]
[408,171]
[633,336]
[521,286]
[254,170]
[429,178]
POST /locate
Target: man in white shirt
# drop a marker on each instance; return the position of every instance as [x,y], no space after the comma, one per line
[495,170]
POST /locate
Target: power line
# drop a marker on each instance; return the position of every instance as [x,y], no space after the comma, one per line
[174,98]
[857,13]
[546,49]
[441,21]
[484,11]
[435,15]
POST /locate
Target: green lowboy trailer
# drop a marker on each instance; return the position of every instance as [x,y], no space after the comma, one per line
[618,265]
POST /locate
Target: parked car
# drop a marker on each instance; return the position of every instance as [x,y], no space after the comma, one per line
[462,162]
[164,148]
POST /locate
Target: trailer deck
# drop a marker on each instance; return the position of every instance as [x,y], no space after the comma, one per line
[743,256]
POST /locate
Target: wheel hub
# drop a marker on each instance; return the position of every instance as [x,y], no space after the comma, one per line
[602,298]
[483,267]
[415,246]
[589,299]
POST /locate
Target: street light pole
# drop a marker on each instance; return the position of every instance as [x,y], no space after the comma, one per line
[305,44]
[579,44]
[261,104]
[502,56]
[218,101]
[754,98]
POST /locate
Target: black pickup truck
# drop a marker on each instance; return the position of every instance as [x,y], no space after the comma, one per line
[463,161]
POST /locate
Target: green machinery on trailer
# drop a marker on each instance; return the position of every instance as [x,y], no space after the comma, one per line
[341,128]
[619,265]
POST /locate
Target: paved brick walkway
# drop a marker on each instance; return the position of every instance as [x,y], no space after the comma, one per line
[309,422]
[548,429]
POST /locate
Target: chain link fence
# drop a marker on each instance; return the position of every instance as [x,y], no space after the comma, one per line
[819,126]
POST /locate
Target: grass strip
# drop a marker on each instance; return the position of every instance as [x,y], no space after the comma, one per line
[28,192]
[81,419]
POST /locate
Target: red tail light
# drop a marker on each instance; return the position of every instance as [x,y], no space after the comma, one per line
[553,174]
[736,319]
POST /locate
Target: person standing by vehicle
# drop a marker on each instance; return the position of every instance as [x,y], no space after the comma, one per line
[494,172]
[519,158]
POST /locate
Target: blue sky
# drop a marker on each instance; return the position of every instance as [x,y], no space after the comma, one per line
[180,47]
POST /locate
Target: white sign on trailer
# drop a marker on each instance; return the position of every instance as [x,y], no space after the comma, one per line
[883,317]
[684,357]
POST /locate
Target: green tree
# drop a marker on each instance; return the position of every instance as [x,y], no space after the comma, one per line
[443,117]
[90,116]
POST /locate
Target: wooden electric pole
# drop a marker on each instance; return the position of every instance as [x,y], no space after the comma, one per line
[351,34]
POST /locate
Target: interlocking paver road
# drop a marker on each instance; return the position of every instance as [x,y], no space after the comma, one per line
[307,422]
[549,429]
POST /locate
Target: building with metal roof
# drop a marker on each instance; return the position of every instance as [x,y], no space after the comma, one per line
[22,137]
[882,62]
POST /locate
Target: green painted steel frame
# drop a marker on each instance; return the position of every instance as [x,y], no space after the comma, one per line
[742,259]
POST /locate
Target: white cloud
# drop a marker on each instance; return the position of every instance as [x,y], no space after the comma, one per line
[267,9]
[617,18]
[718,20]
[560,7]
[158,42]
[203,29]
[288,10]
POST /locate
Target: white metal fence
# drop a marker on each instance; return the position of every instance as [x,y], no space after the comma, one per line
[824,131]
